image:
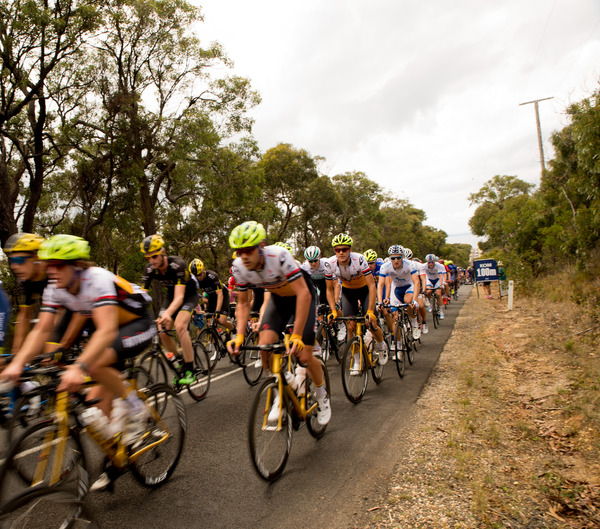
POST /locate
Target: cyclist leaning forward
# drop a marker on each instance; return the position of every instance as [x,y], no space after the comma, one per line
[180,300]
[289,294]
[358,286]
[122,326]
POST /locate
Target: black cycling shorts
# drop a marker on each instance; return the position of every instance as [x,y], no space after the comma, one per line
[351,297]
[280,311]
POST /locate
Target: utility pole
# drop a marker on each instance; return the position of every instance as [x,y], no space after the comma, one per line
[539,128]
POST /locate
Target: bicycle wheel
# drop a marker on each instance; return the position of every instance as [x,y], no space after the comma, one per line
[27,411]
[251,361]
[354,371]
[153,363]
[435,311]
[156,458]
[377,369]
[44,508]
[399,352]
[208,341]
[41,457]
[322,338]
[199,389]
[314,428]
[409,341]
[269,445]
[341,337]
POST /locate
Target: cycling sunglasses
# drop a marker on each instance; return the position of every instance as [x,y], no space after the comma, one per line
[313,260]
[18,260]
[395,258]
[242,251]
[340,250]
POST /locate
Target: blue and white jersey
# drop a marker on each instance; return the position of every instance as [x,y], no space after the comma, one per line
[435,271]
[401,276]
[315,273]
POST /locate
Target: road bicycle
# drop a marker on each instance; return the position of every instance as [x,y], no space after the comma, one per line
[215,341]
[50,454]
[249,358]
[357,360]
[435,309]
[327,334]
[278,410]
[158,363]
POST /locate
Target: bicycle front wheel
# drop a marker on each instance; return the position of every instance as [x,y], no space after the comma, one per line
[354,371]
[199,389]
[43,456]
[269,444]
[159,450]
[250,360]
[377,368]
[435,311]
[209,342]
[153,364]
[314,428]
[322,337]
[409,341]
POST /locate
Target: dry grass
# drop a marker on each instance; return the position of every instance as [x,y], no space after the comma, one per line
[510,421]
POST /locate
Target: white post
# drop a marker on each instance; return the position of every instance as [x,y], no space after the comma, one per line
[511,289]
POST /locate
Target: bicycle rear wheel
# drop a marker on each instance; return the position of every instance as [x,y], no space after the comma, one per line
[314,428]
[159,450]
[399,352]
[409,341]
[42,457]
[354,371]
[250,360]
[322,337]
[269,445]
[435,311]
[199,389]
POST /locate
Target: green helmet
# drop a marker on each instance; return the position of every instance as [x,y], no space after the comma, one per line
[64,248]
[23,242]
[284,245]
[341,240]
[151,244]
[247,234]
[370,256]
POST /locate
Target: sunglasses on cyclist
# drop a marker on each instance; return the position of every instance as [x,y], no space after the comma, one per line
[242,251]
[313,260]
[341,250]
[59,264]
[18,260]
[395,258]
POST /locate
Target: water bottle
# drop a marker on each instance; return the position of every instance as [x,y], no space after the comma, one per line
[300,380]
[95,418]
[291,380]
[118,417]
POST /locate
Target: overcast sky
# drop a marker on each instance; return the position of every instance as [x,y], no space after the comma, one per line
[423,96]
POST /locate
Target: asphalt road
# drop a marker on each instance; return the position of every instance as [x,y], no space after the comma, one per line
[329,483]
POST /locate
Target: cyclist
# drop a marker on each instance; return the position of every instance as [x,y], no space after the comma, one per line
[435,274]
[290,293]
[358,286]
[218,295]
[22,251]
[180,300]
[402,281]
[408,255]
[122,326]
[315,266]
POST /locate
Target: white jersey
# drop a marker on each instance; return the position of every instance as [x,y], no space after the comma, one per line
[315,273]
[401,276]
[352,275]
[435,272]
[97,288]
[278,271]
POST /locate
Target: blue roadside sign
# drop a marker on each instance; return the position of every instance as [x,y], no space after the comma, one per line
[485,270]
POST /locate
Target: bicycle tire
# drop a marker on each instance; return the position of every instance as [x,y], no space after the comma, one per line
[23,416]
[202,373]
[399,350]
[312,424]
[153,362]
[377,368]
[435,311]
[250,360]
[269,446]
[355,384]
[37,444]
[44,507]
[156,465]
[209,342]
[322,338]
[340,344]
[409,341]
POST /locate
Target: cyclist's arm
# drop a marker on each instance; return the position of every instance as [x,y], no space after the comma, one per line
[22,326]
[32,346]
[372,292]
[417,285]
[303,299]
[242,311]
[380,286]
[219,294]
[388,287]
[178,296]
[331,297]
[106,323]
[263,307]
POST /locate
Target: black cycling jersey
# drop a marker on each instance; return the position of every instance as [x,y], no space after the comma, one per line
[30,294]
[176,274]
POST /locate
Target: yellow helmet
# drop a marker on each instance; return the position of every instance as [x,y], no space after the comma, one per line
[151,244]
[196,267]
[23,242]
